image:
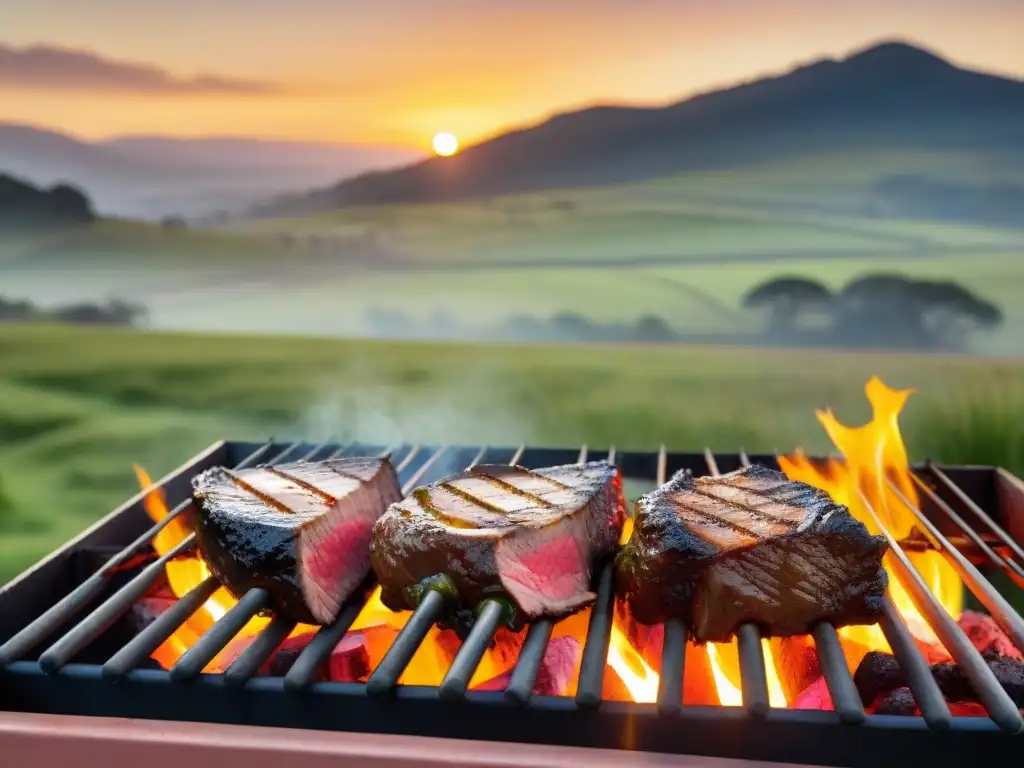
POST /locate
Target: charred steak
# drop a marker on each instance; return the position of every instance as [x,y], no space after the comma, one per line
[749,546]
[531,536]
[301,531]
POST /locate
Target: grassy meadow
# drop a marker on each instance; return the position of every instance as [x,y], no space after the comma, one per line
[79,406]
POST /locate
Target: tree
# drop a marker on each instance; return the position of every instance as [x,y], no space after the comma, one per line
[24,206]
[70,205]
[787,299]
[890,309]
[652,328]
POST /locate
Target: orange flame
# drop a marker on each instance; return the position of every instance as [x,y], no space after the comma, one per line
[873,457]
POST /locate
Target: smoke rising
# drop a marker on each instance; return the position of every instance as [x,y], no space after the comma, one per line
[388,407]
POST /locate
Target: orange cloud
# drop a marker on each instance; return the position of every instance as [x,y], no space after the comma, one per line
[49,68]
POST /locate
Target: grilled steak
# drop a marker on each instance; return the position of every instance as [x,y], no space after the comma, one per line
[301,531]
[496,530]
[749,546]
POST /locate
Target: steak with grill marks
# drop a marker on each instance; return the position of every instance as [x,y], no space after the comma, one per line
[749,546]
[301,531]
[531,536]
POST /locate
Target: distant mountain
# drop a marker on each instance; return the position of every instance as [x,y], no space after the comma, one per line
[890,96]
[151,177]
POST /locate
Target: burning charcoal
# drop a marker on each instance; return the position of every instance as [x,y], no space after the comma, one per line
[147,610]
[356,654]
[954,686]
[898,702]
[902,702]
[986,635]
[350,659]
[882,685]
[877,673]
[284,656]
[815,696]
[556,673]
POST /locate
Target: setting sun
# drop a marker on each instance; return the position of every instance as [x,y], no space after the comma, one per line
[445,144]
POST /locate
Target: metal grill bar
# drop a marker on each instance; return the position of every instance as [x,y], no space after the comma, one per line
[753,675]
[843,692]
[1009,566]
[673,648]
[491,616]
[259,650]
[531,655]
[1000,707]
[212,642]
[1002,612]
[33,634]
[673,666]
[969,503]
[152,637]
[93,625]
[318,650]
[595,651]
[599,630]
[252,603]
[914,667]
[385,677]
[266,642]
[929,698]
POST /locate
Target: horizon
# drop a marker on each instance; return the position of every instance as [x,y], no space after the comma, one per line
[386,80]
[526,124]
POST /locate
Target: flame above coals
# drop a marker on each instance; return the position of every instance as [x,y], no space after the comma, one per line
[874,462]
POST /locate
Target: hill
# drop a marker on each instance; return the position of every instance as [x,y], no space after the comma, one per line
[892,96]
[151,177]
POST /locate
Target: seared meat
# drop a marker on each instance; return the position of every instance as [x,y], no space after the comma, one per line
[301,530]
[750,546]
[532,536]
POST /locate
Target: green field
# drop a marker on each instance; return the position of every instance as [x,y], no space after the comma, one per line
[77,407]
[685,248]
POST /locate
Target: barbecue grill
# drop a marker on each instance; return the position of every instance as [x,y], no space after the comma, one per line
[66,650]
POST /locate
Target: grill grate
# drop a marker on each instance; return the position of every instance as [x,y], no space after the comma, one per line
[419,464]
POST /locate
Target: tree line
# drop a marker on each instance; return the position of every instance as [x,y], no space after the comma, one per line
[875,310]
[113,312]
[26,206]
[882,310]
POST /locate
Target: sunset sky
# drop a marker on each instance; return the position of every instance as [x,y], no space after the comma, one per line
[397,71]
